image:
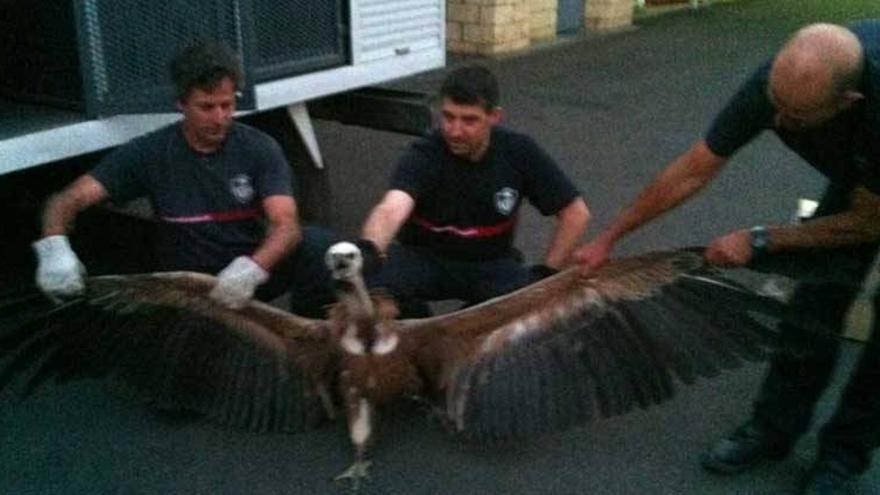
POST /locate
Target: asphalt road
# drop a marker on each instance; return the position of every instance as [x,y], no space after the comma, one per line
[612,109]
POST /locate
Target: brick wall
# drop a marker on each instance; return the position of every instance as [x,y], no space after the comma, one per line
[608,14]
[487,27]
[490,27]
[542,19]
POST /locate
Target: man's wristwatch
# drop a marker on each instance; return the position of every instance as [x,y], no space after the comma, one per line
[760,240]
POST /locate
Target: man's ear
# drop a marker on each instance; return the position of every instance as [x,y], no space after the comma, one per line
[495,115]
[850,98]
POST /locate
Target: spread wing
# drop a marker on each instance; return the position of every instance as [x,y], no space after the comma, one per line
[569,348]
[160,335]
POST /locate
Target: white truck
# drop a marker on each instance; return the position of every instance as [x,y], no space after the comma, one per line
[82,76]
[79,77]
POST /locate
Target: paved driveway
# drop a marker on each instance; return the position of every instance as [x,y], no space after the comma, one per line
[613,109]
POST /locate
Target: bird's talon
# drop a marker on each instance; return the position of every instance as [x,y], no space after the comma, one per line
[356,472]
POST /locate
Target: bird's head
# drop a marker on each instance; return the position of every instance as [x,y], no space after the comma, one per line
[344,260]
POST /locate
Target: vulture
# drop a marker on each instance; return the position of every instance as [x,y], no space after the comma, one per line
[557,353]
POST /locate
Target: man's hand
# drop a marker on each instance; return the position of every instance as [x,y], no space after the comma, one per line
[238,281]
[592,255]
[733,249]
[59,272]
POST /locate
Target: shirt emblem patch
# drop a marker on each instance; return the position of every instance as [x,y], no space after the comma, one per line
[241,188]
[505,200]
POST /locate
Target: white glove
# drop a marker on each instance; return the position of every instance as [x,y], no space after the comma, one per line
[238,281]
[59,272]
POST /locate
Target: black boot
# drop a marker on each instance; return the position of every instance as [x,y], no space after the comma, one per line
[828,477]
[749,445]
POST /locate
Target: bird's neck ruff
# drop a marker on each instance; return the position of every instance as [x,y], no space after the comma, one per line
[363,331]
[352,293]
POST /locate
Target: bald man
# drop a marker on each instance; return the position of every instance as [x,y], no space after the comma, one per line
[821,96]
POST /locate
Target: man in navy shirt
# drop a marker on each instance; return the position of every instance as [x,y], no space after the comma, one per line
[454,202]
[821,95]
[221,193]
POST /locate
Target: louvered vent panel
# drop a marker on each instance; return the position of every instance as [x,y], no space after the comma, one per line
[388,28]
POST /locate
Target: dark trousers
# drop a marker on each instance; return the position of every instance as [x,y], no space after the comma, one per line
[804,362]
[304,275]
[415,276]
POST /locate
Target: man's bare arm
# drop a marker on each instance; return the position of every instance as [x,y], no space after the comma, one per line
[386,218]
[61,209]
[859,224]
[571,224]
[681,179]
[284,231]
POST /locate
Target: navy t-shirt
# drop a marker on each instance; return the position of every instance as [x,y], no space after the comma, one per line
[208,205]
[468,210]
[846,149]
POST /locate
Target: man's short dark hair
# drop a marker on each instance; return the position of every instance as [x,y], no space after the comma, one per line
[471,85]
[203,64]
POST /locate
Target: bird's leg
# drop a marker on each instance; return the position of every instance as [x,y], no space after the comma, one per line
[360,423]
[359,469]
[326,401]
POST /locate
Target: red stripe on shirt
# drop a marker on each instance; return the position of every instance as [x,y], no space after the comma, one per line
[473,231]
[217,216]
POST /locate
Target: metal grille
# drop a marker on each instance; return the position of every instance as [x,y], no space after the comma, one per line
[397,27]
[126,46]
[38,58]
[296,36]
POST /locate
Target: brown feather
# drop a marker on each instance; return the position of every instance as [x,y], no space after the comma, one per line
[380,378]
[509,365]
[161,335]
[548,356]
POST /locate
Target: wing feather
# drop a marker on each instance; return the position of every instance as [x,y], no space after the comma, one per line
[606,382]
[545,370]
[501,421]
[572,347]
[161,336]
[572,392]
[749,335]
[529,386]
